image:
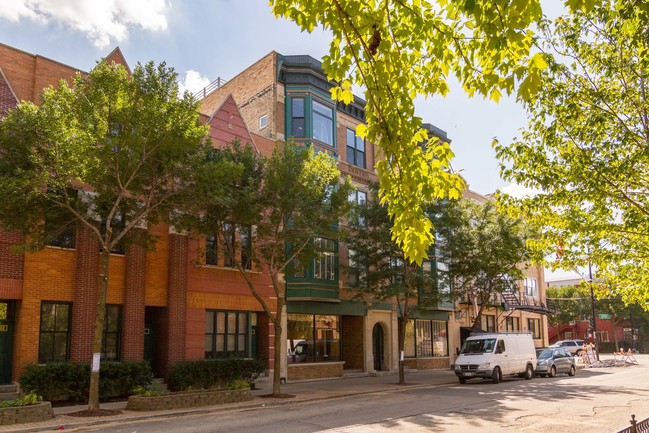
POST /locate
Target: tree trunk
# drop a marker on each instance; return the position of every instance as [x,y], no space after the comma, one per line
[93,395]
[401,338]
[277,376]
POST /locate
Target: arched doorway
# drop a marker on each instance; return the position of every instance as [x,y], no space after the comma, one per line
[378,348]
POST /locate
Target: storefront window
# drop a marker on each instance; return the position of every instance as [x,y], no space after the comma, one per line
[313,338]
[426,338]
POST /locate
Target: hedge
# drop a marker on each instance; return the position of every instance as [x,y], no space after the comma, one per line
[211,373]
[67,381]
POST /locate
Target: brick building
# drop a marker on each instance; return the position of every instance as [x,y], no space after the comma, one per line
[180,303]
[158,302]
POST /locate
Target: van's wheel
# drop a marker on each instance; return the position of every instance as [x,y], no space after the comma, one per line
[572,371]
[462,380]
[496,376]
[553,371]
[529,372]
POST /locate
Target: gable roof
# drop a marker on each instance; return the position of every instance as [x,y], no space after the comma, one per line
[226,124]
[8,98]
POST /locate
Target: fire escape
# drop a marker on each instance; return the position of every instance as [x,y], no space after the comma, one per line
[512,300]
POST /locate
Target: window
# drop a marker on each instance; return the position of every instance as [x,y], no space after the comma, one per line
[111,339]
[567,335]
[534,326]
[531,288]
[426,338]
[313,338]
[355,149]
[246,247]
[211,245]
[227,334]
[358,198]
[228,245]
[512,324]
[488,323]
[54,335]
[263,121]
[325,259]
[357,270]
[61,232]
[323,123]
[297,110]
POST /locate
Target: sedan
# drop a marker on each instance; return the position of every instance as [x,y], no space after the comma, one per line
[554,360]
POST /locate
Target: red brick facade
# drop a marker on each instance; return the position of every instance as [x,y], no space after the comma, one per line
[165,289]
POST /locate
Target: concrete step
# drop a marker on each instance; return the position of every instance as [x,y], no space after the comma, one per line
[159,384]
[9,387]
[4,396]
[354,373]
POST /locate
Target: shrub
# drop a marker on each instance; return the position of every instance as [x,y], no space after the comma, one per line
[70,381]
[210,373]
[238,384]
[29,399]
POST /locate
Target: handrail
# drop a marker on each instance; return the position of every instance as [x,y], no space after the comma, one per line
[210,88]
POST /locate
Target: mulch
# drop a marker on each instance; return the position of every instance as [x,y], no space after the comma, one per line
[277,396]
[95,412]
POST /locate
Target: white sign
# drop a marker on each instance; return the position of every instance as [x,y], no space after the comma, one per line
[95,361]
[402,355]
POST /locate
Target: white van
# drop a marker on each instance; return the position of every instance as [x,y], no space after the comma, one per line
[492,355]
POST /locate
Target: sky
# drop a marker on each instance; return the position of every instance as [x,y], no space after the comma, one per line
[206,39]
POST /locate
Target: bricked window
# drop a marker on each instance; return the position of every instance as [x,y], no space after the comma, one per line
[211,245]
[313,338]
[325,259]
[355,149]
[227,334]
[112,333]
[54,335]
[534,326]
[426,338]
[297,117]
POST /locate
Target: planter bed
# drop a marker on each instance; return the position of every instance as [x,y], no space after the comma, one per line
[25,414]
[187,399]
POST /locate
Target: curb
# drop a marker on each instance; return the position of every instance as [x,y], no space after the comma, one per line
[216,409]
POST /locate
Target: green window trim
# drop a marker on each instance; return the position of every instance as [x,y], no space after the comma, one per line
[310,117]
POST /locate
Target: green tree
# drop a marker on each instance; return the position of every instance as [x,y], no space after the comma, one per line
[572,303]
[380,271]
[585,149]
[113,152]
[285,201]
[398,50]
[485,250]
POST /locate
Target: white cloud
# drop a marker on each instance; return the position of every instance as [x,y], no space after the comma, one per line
[102,21]
[193,82]
[519,191]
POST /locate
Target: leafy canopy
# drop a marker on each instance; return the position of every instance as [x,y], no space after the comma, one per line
[485,249]
[586,145]
[113,151]
[398,50]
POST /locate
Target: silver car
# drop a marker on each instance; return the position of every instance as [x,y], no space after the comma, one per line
[554,360]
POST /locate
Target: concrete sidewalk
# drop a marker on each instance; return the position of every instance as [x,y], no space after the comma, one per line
[311,390]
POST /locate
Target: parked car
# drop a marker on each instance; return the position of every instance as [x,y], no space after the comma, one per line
[575,347]
[551,361]
[493,356]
